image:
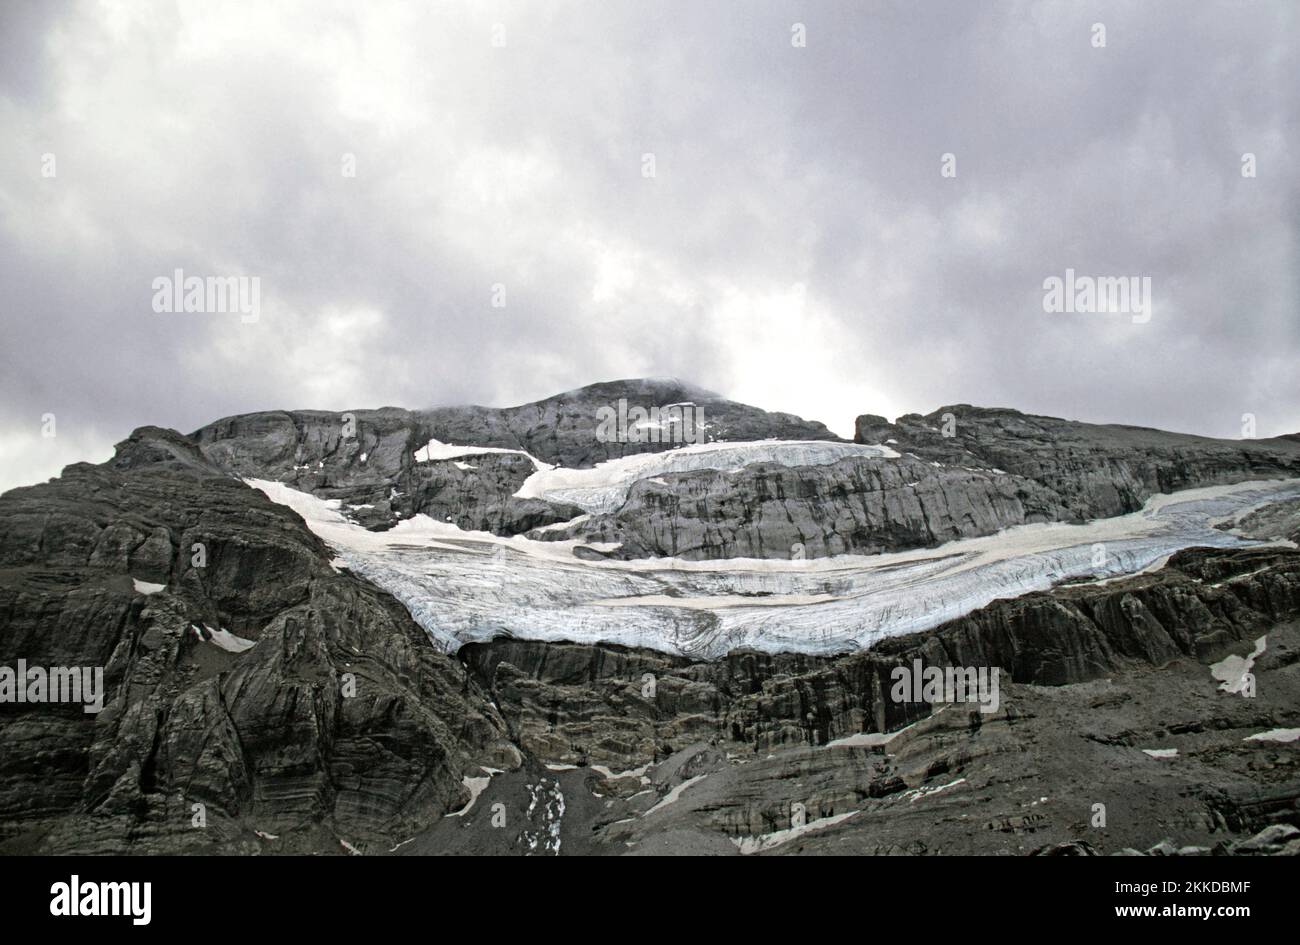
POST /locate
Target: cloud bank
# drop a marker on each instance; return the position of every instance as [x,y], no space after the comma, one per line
[392,173]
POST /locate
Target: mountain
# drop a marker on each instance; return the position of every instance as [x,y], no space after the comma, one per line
[983,472]
[390,629]
[1093,470]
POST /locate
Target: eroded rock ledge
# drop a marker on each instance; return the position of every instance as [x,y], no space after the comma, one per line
[582,704]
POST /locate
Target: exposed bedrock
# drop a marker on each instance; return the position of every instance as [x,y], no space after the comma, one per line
[565,429]
[965,472]
[577,703]
[562,430]
[1093,470]
[366,458]
[293,706]
[854,506]
[342,722]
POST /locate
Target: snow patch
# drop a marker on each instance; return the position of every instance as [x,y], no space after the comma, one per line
[672,796]
[872,739]
[551,800]
[767,841]
[223,639]
[476,787]
[917,794]
[609,775]
[436,450]
[1232,671]
[1275,735]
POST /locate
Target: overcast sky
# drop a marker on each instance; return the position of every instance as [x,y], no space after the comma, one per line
[797,247]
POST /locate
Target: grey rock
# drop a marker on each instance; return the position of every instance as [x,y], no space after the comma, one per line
[854,506]
[591,704]
[366,457]
[563,429]
[998,469]
[741,754]
[1095,470]
[273,738]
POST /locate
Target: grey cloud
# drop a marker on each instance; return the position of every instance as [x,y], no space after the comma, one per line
[214,145]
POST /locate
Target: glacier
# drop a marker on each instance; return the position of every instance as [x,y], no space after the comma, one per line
[604,487]
[463,586]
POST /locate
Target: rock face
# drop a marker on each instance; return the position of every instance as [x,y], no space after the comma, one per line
[855,506]
[789,754]
[564,429]
[1094,470]
[341,722]
[259,697]
[998,468]
[591,705]
[1278,521]
[965,472]
[1274,840]
[366,458]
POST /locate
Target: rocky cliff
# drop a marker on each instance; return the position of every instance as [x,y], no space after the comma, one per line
[1106,699]
[1093,470]
[367,458]
[259,696]
[855,506]
[340,723]
[589,704]
[964,472]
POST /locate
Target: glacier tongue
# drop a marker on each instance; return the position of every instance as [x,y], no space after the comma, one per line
[464,586]
[604,487]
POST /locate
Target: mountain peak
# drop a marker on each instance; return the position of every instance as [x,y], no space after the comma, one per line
[660,390]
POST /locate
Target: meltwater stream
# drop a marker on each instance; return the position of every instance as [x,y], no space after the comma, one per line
[464,586]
